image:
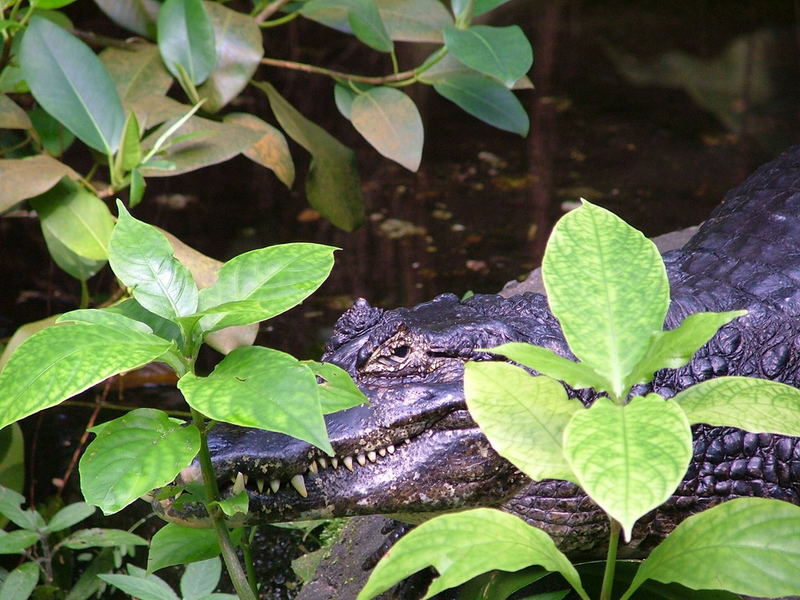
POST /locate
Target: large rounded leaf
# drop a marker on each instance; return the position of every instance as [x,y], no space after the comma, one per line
[629,458]
[70,82]
[264,388]
[133,454]
[390,121]
[502,52]
[175,544]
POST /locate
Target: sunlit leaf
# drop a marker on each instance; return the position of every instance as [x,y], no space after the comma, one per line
[332,185]
[239,49]
[233,505]
[22,333]
[608,329]
[271,150]
[523,416]
[630,458]
[137,72]
[264,388]
[138,16]
[186,39]
[486,99]
[175,545]
[144,437]
[58,362]
[143,260]
[462,545]
[337,391]
[12,116]
[752,543]
[20,583]
[27,177]
[363,19]
[101,538]
[70,82]
[390,121]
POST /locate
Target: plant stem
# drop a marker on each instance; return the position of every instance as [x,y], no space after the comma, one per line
[611,561]
[270,10]
[288,64]
[237,575]
[248,558]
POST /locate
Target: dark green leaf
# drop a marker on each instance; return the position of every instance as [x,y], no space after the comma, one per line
[239,49]
[138,16]
[150,588]
[143,260]
[69,516]
[480,6]
[55,138]
[186,39]
[70,82]
[362,17]
[21,582]
[344,96]
[130,150]
[137,188]
[337,390]
[101,538]
[160,326]
[414,20]
[145,437]
[499,585]
[271,150]
[175,545]
[264,388]
[332,185]
[486,99]
[88,584]
[12,458]
[501,52]
[58,362]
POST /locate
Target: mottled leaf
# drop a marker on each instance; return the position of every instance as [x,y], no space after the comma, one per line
[70,82]
[22,333]
[137,72]
[523,416]
[629,458]
[390,121]
[186,39]
[144,437]
[271,150]
[27,177]
[239,49]
[264,388]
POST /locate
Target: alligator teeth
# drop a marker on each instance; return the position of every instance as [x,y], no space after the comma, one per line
[382,451]
[335,462]
[275,485]
[246,477]
[312,468]
[372,456]
[323,463]
[390,449]
[348,462]
[406,441]
[238,483]
[299,484]
[362,460]
[260,485]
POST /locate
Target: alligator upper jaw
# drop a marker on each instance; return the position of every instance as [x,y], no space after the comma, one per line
[417,453]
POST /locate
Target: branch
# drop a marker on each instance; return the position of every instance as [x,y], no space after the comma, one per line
[288,64]
[270,10]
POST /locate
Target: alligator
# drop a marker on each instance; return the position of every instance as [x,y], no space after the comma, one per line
[414,450]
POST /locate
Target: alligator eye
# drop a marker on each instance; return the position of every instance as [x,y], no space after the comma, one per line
[401,351]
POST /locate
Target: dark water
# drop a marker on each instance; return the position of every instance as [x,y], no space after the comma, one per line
[652,109]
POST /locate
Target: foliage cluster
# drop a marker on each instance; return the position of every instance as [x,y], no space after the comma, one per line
[629,454]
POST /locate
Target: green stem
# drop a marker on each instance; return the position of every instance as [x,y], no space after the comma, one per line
[84,294]
[270,10]
[279,21]
[235,571]
[248,558]
[611,561]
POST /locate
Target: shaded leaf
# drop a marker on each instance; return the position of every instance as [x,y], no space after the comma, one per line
[153,110]
[462,545]
[502,52]
[130,150]
[332,184]
[58,362]
[239,49]
[141,588]
[344,96]
[88,583]
[70,515]
[175,545]
[752,543]
[630,458]
[22,333]
[200,578]
[337,391]
[264,388]
[137,188]
[130,308]
[17,541]
[499,585]
[414,20]
[70,82]
[21,582]
[12,116]
[27,177]
[144,437]
[12,459]
[523,416]
[363,19]
[138,16]
[76,265]
[271,150]
[390,121]
[480,6]
[138,72]
[11,507]
[186,39]
[486,99]
[101,538]
[54,137]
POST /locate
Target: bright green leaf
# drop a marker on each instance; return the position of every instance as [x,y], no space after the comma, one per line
[11,508]
[751,404]
[21,582]
[70,82]
[186,39]
[69,516]
[390,121]
[752,543]
[264,388]
[337,391]
[12,116]
[138,16]
[608,329]
[501,52]
[462,545]
[28,177]
[72,263]
[51,4]
[137,188]
[630,458]
[271,150]
[239,49]
[130,150]
[262,283]
[137,72]
[110,318]
[200,578]
[76,218]
[58,362]
[175,545]
[17,541]
[143,260]
[523,416]
[362,16]
[332,184]
[547,362]
[150,588]
[101,538]
[145,437]
[674,348]
[234,505]
[486,99]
